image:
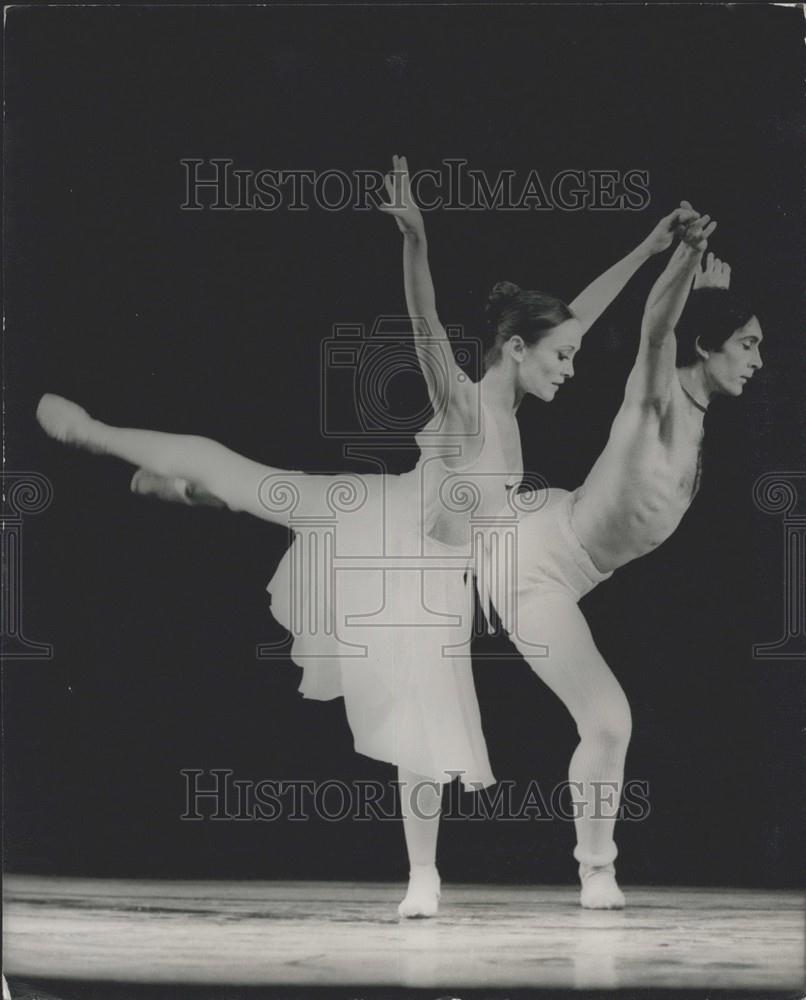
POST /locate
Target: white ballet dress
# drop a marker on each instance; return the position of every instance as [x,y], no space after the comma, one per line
[377,593]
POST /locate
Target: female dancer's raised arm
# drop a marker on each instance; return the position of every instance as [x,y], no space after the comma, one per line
[450,390]
[589,305]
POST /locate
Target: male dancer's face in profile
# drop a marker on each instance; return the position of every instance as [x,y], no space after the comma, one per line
[728,369]
[549,362]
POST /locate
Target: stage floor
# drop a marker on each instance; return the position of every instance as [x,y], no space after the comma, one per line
[332,933]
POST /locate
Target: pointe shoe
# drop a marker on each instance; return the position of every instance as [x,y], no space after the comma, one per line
[422,896]
[599,888]
[65,421]
[150,484]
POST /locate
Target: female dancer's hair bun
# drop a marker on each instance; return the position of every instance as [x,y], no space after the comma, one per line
[511,312]
[503,290]
[502,295]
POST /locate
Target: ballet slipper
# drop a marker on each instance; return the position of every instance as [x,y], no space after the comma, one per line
[422,896]
[599,888]
[67,422]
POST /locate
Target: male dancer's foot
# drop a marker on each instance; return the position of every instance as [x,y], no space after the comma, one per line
[599,888]
[422,897]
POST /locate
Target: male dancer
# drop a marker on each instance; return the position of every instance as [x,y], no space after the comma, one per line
[632,500]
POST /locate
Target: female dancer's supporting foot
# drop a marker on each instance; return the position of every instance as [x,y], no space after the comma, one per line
[421,803]
[633,499]
[533,338]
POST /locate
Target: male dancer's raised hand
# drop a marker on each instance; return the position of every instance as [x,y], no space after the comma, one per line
[715,273]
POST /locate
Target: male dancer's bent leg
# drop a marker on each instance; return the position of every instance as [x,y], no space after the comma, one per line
[576,672]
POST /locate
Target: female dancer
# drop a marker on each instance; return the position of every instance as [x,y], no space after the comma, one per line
[632,500]
[409,698]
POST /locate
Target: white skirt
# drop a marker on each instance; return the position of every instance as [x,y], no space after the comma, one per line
[383,616]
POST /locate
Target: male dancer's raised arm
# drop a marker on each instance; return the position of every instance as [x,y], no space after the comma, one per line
[651,380]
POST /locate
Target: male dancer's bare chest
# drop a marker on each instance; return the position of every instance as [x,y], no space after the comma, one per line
[639,488]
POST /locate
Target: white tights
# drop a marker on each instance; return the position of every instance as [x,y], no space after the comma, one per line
[576,672]
[420,803]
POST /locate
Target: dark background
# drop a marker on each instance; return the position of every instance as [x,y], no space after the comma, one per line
[211,323]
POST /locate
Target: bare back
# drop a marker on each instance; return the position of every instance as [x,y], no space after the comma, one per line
[643,482]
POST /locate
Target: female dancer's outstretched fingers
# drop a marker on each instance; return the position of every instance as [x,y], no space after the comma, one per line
[401,204]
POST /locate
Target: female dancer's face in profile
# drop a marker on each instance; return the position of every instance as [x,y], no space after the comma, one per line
[549,362]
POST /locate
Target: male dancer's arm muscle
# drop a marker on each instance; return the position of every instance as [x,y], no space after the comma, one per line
[589,305]
[651,379]
[449,388]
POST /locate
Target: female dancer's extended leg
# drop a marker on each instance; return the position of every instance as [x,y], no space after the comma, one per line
[238,482]
[576,672]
